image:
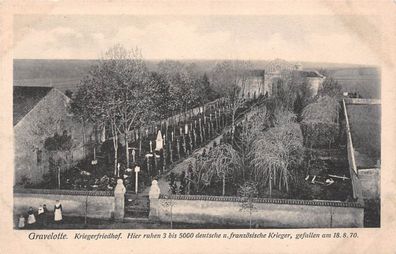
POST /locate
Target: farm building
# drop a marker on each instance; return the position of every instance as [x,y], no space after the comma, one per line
[254,85]
[280,69]
[312,77]
[40,113]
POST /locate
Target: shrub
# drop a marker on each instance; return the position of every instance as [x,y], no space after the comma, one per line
[320,122]
[277,152]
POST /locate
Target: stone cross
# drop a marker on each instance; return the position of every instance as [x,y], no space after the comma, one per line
[133,155]
[137,170]
[159,141]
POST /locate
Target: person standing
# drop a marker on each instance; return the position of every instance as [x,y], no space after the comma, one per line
[45,214]
[40,216]
[58,212]
[31,218]
[21,221]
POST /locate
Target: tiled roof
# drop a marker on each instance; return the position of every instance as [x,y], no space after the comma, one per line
[25,99]
[310,74]
[256,73]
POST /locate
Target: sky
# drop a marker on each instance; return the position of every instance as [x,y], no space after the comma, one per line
[293,38]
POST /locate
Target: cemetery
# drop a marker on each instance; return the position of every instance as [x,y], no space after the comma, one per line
[219,149]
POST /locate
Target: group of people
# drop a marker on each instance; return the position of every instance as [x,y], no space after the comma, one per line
[41,217]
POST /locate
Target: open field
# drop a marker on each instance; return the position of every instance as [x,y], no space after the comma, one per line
[365,121]
[365,80]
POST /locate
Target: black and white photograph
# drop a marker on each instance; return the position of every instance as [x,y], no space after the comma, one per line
[194,122]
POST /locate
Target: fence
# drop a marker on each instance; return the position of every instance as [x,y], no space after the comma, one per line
[179,117]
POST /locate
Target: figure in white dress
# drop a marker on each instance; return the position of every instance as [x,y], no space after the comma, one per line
[31,217]
[40,216]
[21,221]
[58,211]
[40,210]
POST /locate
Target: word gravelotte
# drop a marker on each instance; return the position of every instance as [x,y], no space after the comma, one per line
[48,236]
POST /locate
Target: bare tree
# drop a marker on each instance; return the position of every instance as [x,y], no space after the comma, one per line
[116,92]
[222,161]
[320,121]
[330,86]
[184,89]
[277,151]
[229,79]
[169,203]
[248,191]
[250,130]
[132,90]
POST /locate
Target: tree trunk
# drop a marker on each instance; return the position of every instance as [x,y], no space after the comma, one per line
[127,150]
[243,168]
[170,152]
[140,147]
[197,189]
[250,216]
[59,182]
[115,160]
[224,182]
[232,126]
[86,209]
[280,183]
[115,145]
[270,183]
[171,212]
[200,130]
[83,130]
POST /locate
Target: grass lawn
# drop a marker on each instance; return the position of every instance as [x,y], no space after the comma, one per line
[365,121]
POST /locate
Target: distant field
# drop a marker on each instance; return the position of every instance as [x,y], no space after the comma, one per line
[62,74]
[365,80]
[66,74]
[365,121]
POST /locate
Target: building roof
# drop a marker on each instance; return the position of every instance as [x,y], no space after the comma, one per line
[256,73]
[310,74]
[278,65]
[25,98]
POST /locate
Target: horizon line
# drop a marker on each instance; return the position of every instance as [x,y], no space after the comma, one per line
[201,59]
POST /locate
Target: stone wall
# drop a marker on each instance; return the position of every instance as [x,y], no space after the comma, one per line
[99,204]
[356,184]
[362,101]
[370,179]
[268,213]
